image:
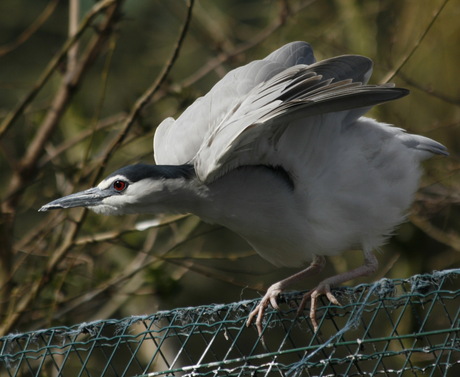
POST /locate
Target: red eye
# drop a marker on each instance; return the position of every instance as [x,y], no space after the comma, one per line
[119,185]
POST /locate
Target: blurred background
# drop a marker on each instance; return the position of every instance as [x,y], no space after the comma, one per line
[83,85]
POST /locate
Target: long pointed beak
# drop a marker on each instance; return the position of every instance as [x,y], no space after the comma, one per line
[88,198]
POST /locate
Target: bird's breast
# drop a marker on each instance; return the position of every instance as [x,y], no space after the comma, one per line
[262,206]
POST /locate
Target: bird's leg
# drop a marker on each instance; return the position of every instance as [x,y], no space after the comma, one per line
[324,288]
[272,293]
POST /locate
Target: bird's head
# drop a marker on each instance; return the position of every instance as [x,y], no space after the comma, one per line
[132,189]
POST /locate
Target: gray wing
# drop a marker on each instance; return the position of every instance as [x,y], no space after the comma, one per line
[240,120]
[178,141]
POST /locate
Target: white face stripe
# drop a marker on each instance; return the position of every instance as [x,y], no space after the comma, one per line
[106,183]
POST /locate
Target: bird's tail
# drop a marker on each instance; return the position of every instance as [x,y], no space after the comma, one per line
[425,145]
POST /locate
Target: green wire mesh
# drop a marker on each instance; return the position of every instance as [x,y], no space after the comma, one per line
[398,327]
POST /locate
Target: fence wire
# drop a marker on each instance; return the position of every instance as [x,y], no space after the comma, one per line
[403,327]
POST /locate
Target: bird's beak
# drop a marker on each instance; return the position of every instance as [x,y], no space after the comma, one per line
[88,198]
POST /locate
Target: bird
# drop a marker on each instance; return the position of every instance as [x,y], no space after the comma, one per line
[280,152]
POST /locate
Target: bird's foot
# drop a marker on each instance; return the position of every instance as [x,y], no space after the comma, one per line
[313,295]
[258,313]
[273,292]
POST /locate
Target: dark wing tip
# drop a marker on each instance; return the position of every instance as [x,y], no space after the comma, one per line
[345,67]
[400,92]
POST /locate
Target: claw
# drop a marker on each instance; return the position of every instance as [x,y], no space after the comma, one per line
[313,295]
[274,302]
[324,288]
[270,298]
[258,313]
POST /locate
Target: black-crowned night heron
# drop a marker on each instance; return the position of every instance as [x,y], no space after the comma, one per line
[278,152]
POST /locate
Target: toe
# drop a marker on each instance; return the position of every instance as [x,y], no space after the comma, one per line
[257,316]
[274,302]
[303,303]
[313,295]
[260,308]
[270,298]
[332,298]
[313,307]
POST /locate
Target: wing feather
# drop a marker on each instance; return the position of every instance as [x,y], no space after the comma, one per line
[241,119]
[249,135]
[178,141]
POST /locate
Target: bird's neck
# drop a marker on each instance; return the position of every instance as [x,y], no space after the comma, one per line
[179,196]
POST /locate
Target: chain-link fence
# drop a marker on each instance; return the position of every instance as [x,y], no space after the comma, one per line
[407,327]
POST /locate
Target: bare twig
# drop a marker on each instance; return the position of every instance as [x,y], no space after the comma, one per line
[52,66]
[86,133]
[450,239]
[34,26]
[27,166]
[148,94]
[211,65]
[390,75]
[440,95]
[29,163]
[74,15]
